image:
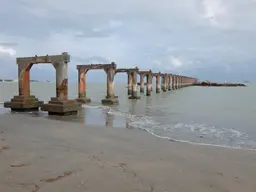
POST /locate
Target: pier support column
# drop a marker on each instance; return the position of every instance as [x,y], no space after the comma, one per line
[82,87]
[164,83]
[110,98]
[61,105]
[169,82]
[24,101]
[142,86]
[174,82]
[134,86]
[149,84]
[177,82]
[129,74]
[158,86]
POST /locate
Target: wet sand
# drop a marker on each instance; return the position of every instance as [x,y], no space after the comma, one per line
[42,155]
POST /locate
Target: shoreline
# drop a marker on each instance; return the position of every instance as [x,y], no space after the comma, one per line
[40,154]
[109,122]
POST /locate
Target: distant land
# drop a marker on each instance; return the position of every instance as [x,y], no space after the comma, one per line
[14,80]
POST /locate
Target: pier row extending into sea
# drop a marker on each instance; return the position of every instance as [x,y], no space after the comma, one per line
[62,105]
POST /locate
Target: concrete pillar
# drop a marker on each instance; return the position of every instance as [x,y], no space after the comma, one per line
[142,83]
[158,86]
[174,82]
[61,80]
[110,84]
[149,84]
[82,97]
[24,80]
[164,81]
[129,74]
[134,86]
[110,98]
[177,82]
[169,82]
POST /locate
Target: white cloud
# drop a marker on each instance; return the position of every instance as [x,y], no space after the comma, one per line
[8,51]
[176,62]
[213,11]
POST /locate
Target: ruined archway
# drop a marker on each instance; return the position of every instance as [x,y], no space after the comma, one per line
[132,74]
[110,71]
[59,105]
[148,75]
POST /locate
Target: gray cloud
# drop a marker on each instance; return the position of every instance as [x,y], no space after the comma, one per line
[204,38]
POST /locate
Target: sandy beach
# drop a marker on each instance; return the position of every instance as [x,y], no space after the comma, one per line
[42,155]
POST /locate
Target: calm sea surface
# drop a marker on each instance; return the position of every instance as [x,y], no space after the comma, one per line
[206,115]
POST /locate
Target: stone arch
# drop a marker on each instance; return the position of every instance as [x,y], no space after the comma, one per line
[110,71]
[27,102]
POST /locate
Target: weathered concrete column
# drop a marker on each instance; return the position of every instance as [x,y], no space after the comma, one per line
[61,105]
[61,80]
[24,80]
[23,101]
[177,82]
[169,82]
[174,82]
[129,74]
[149,84]
[142,87]
[164,81]
[134,86]
[158,86]
[82,97]
[110,98]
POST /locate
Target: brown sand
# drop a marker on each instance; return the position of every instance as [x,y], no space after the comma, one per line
[49,156]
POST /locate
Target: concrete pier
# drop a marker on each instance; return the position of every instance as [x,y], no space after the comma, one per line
[129,75]
[134,85]
[110,71]
[149,84]
[158,83]
[164,82]
[59,105]
[132,80]
[148,75]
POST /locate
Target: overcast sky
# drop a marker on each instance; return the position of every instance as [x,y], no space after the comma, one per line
[208,39]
